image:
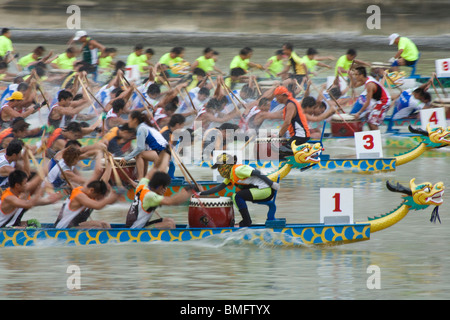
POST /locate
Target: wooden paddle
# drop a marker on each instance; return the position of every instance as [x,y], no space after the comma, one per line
[89,97]
[440,84]
[183,169]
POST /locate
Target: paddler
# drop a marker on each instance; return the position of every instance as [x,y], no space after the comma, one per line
[10,161]
[150,195]
[377,101]
[95,195]
[344,63]
[253,185]
[299,67]
[407,54]
[295,122]
[21,196]
[89,50]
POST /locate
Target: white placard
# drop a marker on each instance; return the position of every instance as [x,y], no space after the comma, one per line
[216,153]
[336,205]
[435,117]
[132,73]
[443,68]
[368,144]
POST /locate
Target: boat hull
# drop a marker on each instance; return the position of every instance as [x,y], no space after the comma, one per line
[288,235]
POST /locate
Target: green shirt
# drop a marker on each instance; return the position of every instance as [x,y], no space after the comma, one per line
[151,199]
[344,63]
[64,62]
[5,45]
[238,62]
[105,62]
[310,63]
[206,65]
[26,60]
[276,66]
[167,60]
[410,51]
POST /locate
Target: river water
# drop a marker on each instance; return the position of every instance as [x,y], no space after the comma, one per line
[412,256]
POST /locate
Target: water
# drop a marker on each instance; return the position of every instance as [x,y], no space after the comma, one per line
[412,255]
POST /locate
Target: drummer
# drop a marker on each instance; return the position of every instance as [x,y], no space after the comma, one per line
[253,185]
[150,195]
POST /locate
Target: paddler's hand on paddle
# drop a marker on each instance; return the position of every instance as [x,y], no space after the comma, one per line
[357,115]
[122,162]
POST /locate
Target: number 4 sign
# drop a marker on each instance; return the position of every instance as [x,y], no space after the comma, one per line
[368,144]
[435,117]
[336,205]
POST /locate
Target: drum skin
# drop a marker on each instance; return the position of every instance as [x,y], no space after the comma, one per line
[211,213]
[345,126]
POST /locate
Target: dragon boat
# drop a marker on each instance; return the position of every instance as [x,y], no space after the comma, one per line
[274,232]
[309,155]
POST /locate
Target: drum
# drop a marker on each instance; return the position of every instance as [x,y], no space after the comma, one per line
[442,103]
[269,148]
[208,212]
[344,125]
[128,170]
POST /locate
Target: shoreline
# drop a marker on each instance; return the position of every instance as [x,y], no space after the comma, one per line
[342,40]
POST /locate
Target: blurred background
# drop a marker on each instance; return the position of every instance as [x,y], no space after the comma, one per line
[258,23]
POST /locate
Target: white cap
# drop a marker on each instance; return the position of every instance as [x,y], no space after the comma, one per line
[79,34]
[392,38]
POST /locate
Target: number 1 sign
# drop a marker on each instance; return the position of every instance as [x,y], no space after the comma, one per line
[336,205]
[368,144]
[435,117]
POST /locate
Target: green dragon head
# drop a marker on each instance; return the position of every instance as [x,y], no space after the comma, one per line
[434,137]
[307,153]
[420,196]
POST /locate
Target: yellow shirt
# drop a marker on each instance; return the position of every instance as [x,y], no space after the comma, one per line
[297,63]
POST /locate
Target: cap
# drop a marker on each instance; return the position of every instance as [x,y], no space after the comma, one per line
[16,95]
[224,158]
[392,38]
[79,34]
[281,90]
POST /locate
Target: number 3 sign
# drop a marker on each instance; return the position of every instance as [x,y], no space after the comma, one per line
[336,205]
[435,117]
[368,144]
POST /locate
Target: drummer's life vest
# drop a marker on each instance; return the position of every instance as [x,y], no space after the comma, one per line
[299,125]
